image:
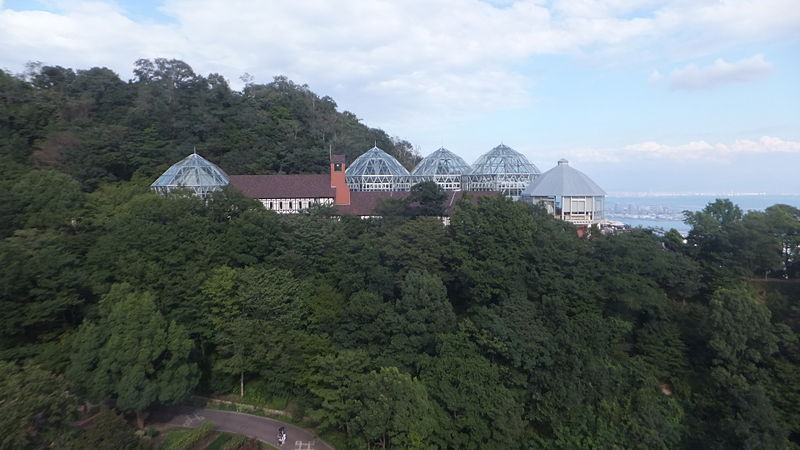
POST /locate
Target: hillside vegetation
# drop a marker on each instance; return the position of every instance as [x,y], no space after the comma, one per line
[503,330]
[98,128]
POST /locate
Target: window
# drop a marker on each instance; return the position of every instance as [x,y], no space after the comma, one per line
[337,167]
[578,207]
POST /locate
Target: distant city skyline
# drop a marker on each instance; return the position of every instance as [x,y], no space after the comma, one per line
[643,95]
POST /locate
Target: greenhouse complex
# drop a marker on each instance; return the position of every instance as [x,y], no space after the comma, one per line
[359,188]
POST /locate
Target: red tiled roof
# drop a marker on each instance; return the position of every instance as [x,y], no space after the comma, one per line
[284,186]
[364,203]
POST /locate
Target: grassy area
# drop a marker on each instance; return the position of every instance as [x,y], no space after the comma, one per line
[259,393]
[269,402]
[217,444]
[186,439]
[172,437]
[218,441]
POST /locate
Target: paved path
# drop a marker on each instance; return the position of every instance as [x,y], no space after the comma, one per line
[258,427]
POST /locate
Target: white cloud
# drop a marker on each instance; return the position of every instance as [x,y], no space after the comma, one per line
[392,62]
[691,151]
[655,77]
[720,72]
[87,34]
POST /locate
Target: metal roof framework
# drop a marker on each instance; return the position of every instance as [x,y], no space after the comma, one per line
[193,173]
[376,170]
[443,167]
[501,169]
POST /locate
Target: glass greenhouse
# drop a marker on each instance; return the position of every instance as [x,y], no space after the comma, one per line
[377,170]
[502,169]
[193,173]
[443,167]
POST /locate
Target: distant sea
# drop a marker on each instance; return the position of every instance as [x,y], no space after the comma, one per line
[665,211]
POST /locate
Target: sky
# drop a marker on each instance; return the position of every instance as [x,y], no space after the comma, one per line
[641,95]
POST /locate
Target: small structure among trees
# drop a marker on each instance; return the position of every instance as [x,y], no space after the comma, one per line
[567,194]
[194,173]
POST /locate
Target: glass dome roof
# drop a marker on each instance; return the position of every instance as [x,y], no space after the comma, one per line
[503,160]
[375,162]
[194,171]
[441,162]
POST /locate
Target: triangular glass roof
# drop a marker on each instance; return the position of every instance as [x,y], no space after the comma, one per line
[503,160]
[441,162]
[192,171]
[563,180]
[375,162]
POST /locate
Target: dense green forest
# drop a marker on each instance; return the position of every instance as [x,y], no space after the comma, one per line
[97,128]
[503,330]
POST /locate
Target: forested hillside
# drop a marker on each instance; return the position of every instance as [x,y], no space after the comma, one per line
[98,128]
[503,330]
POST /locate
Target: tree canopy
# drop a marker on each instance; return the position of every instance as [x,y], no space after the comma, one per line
[502,330]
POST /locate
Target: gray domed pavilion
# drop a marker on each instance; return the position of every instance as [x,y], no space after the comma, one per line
[502,169]
[443,167]
[568,194]
[193,173]
[377,170]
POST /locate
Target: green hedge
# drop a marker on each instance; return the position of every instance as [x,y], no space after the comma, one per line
[235,442]
[184,440]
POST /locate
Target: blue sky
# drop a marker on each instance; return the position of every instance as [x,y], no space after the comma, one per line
[642,95]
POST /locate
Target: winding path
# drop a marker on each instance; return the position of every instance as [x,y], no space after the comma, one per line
[261,428]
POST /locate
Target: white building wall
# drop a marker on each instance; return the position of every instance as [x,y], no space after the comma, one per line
[583,210]
[293,205]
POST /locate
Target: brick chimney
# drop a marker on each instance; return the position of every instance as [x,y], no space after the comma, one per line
[338,168]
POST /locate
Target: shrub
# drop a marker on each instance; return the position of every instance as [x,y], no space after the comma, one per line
[235,442]
[184,440]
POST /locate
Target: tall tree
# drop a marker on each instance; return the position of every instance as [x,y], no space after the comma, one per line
[391,409]
[36,409]
[421,312]
[427,199]
[784,223]
[742,339]
[133,355]
[482,411]
[108,431]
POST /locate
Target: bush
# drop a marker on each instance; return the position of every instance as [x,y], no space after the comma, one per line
[235,442]
[265,394]
[185,439]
